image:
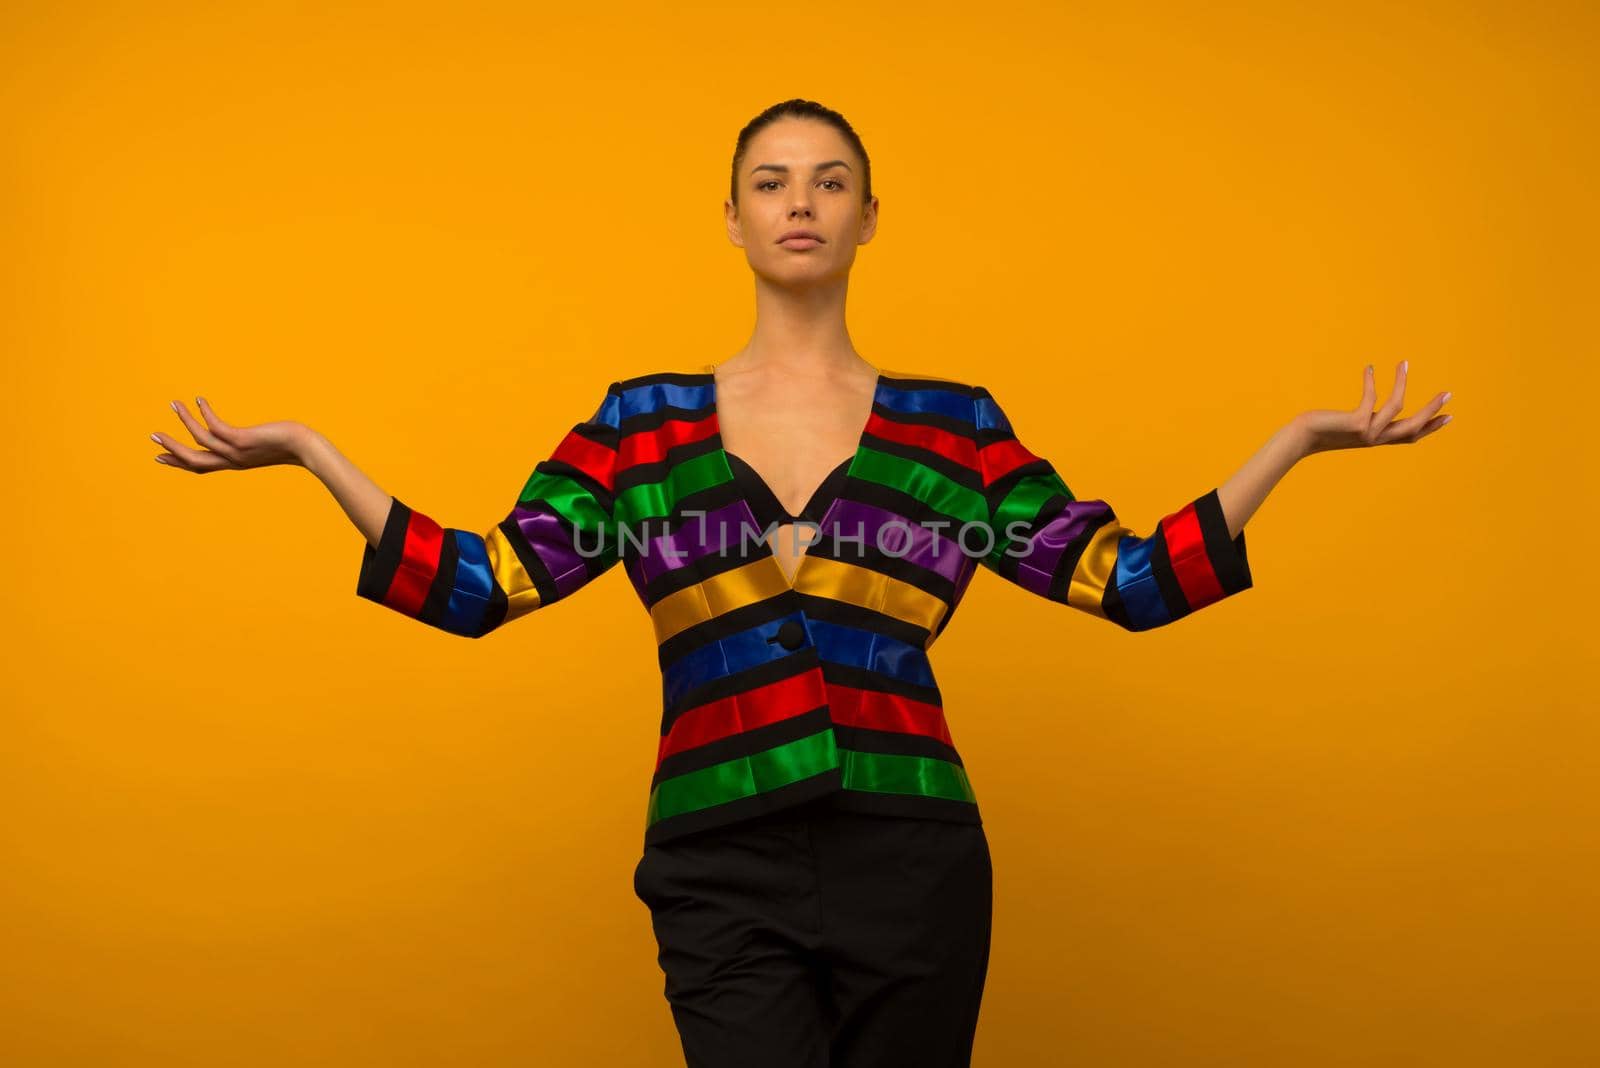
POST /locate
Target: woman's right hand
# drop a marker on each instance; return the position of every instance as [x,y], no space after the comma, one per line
[232,448]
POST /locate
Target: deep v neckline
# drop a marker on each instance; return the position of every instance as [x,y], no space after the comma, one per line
[771,505]
[729,458]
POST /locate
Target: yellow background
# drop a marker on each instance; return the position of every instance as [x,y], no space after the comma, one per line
[1348,817]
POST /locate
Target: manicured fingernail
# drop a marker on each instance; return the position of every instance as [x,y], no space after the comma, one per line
[161,459]
[1444,399]
[200,400]
[1403,365]
[174,405]
[1445,420]
[155,439]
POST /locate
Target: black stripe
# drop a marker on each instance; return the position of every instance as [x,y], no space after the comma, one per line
[378,566]
[1111,602]
[1166,578]
[798,662]
[1227,555]
[543,581]
[847,614]
[670,378]
[785,796]
[643,472]
[561,469]
[1006,564]
[1061,581]
[745,743]
[723,625]
[436,604]
[864,679]
[950,467]
[494,612]
[893,743]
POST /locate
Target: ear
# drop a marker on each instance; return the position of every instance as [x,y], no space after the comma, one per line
[735,230]
[869,222]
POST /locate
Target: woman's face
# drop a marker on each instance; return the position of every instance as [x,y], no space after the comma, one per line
[800,174]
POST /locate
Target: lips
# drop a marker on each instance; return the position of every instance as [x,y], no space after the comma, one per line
[809,235]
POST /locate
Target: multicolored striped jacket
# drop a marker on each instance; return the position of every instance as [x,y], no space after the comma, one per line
[772,691]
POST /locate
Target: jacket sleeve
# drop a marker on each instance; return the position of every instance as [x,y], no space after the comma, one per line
[1078,554]
[560,535]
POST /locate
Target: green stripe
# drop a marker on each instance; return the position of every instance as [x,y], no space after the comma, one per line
[934,488]
[1026,498]
[568,498]
[743,776]
[893,773]
[651,499]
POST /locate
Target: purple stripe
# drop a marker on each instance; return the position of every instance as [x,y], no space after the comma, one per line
[1037,566]
[927,547]
[547,535]
[696,536]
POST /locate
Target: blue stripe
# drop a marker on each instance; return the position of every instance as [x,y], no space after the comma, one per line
[990,417]
[471,585]
[726,656]
[955,403]
[1136,583]
[652,397]
[871,651]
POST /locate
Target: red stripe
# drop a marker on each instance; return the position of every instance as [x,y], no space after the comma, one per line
[650,446]
[886,712]
[590,457]
[742,712]
[1001,458]
[1186,548]
[958,447]
[419,564]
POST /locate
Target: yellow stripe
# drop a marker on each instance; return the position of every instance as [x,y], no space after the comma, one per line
[1096,569]
[756,581]
[521,595]
[873,590]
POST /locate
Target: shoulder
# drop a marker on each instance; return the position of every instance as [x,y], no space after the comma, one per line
[679,375]
[683,389]
[960,399]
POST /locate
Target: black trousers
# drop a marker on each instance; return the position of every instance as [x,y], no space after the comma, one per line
[817,937]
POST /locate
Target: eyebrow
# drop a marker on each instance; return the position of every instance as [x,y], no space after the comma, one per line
[781,169]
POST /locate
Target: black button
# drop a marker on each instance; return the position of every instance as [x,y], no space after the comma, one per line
[791,635]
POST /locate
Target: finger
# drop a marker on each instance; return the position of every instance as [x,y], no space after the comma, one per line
[1417,435]
[193,459]
[171,460]
[1402,429]
[1433,424]
[1369,395]
[226,431]
[1397,398]
[203,434]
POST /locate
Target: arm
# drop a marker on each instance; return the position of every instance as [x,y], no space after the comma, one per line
[1077,553]
[1243,493]
[560,535]
[1325,430]
[367,505]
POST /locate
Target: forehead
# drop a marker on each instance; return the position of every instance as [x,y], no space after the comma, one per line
[796,141]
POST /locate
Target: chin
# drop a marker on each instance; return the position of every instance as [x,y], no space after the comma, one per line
[796,272]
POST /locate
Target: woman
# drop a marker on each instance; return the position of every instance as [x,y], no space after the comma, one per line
[817,874]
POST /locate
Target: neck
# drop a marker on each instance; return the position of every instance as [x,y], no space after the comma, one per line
[800,329]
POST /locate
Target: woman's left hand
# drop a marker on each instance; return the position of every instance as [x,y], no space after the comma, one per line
[1325,429]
